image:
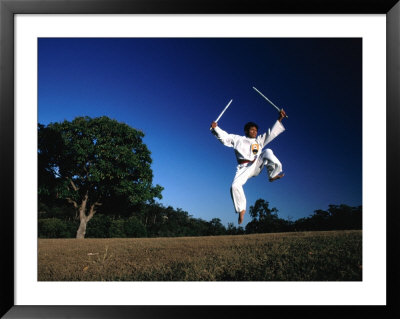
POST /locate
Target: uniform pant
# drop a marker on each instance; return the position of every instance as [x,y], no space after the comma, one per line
[248,170]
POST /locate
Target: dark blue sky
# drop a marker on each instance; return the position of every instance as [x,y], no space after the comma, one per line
[172,89]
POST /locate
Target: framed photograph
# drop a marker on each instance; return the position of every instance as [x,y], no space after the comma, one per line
[367,34]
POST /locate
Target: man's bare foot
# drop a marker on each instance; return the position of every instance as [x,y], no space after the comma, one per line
[241,216]
[276,177]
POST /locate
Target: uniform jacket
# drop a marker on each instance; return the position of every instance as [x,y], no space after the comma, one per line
[247,148]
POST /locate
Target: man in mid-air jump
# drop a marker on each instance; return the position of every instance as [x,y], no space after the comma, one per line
[250,157]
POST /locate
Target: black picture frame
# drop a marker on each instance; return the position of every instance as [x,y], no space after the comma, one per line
[8,10]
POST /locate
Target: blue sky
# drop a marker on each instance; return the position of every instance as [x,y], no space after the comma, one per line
[173,88]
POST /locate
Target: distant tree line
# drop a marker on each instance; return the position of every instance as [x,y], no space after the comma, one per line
[336,217]
[152,220]
[156,220]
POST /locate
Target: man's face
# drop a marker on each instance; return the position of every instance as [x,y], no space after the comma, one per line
[252,132]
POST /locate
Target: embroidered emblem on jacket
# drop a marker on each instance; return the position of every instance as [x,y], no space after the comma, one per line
[255,148]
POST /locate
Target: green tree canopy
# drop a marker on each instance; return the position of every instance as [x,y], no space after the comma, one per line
[264,218]
[91,161]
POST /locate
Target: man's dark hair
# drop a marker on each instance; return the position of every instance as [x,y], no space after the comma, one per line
[250,124]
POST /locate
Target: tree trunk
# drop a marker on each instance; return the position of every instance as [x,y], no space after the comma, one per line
[80,234]
[85,218]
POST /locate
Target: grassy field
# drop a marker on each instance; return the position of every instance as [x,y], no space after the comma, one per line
[304,256]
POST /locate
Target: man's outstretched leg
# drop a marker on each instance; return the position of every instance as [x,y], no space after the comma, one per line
[239,200]
[237,193]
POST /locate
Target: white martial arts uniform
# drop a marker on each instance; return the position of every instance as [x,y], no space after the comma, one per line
[250,149]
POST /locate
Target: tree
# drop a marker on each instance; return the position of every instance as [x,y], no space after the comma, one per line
[265,219]
[91,161]
[345,217]
[134,227]
[335,218]
[216,227]
[233,230]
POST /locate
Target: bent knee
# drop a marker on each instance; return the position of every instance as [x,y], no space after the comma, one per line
[268,153]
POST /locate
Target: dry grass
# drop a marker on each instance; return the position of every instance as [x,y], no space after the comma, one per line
[305,256]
